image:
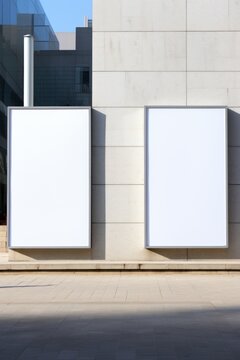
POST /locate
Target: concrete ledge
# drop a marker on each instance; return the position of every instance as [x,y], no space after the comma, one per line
[196,265]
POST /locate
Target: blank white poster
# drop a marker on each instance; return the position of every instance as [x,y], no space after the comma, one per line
[186,177]
[49,170]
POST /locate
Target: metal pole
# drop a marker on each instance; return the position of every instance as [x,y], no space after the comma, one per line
[28,70]
[85,21]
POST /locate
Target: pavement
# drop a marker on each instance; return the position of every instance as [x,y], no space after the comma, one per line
[119,316]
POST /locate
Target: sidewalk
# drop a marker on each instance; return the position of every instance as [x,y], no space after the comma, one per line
[119,316]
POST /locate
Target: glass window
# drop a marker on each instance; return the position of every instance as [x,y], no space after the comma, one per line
[83,80]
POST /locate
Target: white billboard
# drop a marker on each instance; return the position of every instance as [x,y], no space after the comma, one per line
[186,177]
[49,177]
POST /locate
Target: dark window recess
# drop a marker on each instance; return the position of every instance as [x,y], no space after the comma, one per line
[83,80]
[3,125]
[3,186]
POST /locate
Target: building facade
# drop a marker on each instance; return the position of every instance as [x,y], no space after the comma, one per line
[153,53]
[64,77]
[162,53]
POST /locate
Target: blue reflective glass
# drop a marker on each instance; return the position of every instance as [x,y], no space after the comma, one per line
[6,12]
[41,32]
[1,11]
[29,13]
[25,6]
[39,19]
[13,12]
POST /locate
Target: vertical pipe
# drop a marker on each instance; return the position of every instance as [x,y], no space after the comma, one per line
[85,21]
[28,70]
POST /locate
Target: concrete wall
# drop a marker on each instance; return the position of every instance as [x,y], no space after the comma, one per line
[157,52]
[67,40]
[3,239]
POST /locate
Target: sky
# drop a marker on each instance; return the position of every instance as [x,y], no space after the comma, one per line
[66,15]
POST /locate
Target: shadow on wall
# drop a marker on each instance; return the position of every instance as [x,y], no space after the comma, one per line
[97,252]
[98,186]
[121,332]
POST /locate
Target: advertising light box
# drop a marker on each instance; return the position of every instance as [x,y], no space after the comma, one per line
[49,177]
[186,178]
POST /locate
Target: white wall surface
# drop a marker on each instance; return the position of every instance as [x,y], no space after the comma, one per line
[139,15]
[49,178]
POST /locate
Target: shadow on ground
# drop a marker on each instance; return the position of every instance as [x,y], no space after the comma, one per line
[119,331]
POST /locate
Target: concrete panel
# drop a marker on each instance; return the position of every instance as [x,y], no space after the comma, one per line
[234,203]
[98,48]
[3,230]
[234,127]
[3,239]
[234,165]
[118,204]
[106,15]
[50,254]
[139,89]
[118,127]
[98,251]
[126,242]
[213,51]
[139,15]
[67,40]
[139,51]
[213,15]
[214,88]
[233,252]
[118,165]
